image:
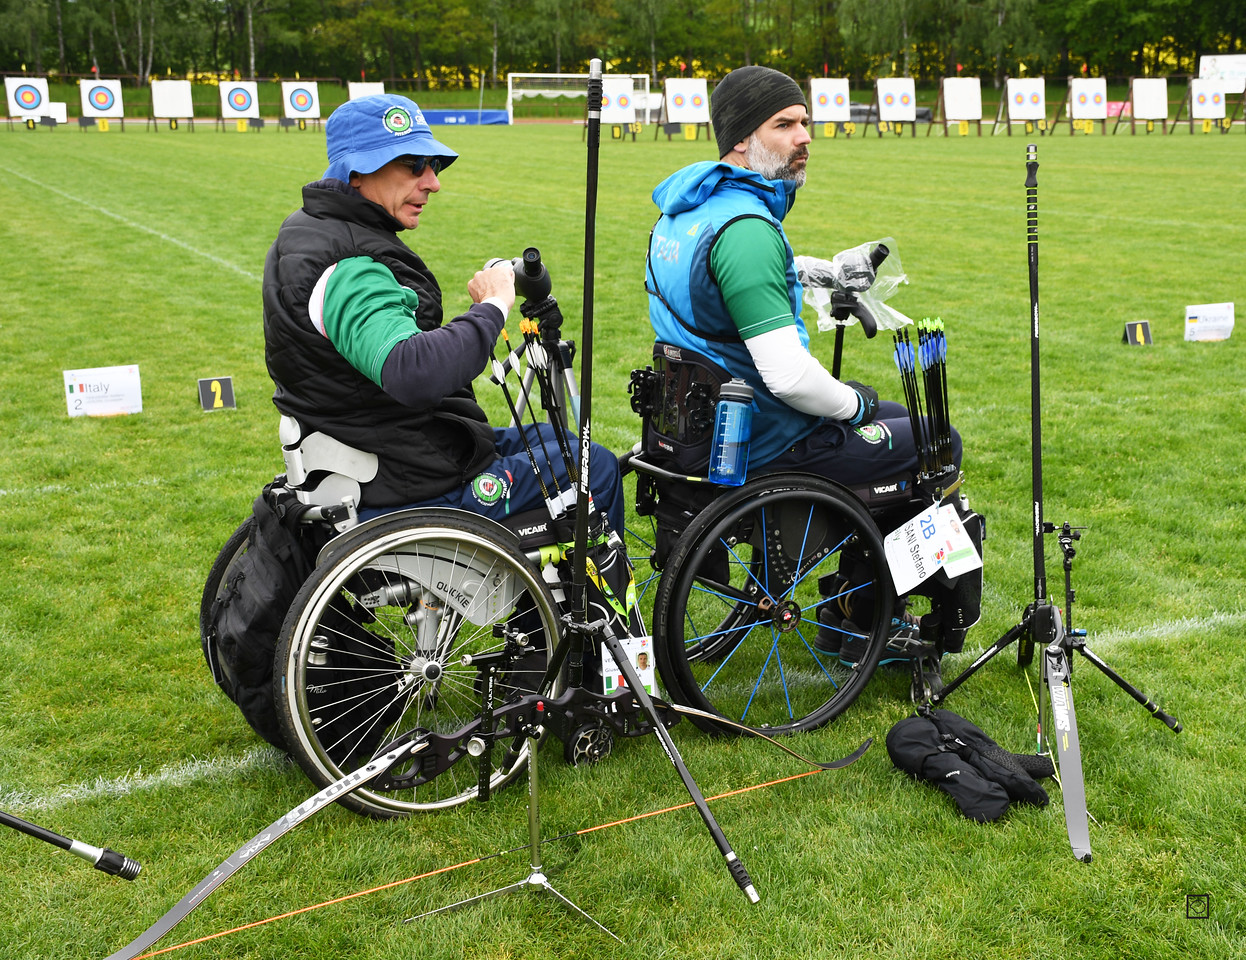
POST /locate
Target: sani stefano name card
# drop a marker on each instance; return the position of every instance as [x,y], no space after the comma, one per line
[933,540]
[103,391]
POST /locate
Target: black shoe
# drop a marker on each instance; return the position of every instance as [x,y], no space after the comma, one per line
[830,636]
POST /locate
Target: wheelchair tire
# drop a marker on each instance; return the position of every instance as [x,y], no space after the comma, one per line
[735,619]
[372,648]
[214,586]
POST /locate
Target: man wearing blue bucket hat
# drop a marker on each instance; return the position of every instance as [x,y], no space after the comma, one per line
[354,337]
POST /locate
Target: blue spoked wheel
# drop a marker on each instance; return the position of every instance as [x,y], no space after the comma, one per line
[736,616]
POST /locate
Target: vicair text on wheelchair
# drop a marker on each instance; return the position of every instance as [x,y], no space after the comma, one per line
[448,630]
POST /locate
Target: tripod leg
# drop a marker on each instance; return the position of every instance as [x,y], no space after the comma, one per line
[1170,721]
[986,655]
[734,864]
[1068,749]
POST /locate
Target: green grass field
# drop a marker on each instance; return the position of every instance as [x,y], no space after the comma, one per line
[148,248]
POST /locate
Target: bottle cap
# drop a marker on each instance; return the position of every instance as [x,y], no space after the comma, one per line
[736,389]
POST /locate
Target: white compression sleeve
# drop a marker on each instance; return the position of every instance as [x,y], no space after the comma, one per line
[796,377]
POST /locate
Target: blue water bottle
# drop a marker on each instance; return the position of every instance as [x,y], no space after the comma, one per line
[733,427]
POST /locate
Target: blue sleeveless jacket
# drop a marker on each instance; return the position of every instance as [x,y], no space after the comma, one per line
[686,306]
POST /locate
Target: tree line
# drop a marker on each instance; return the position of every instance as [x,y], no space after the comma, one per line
[440,44]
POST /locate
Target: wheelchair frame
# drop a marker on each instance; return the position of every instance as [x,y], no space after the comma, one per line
[744,573]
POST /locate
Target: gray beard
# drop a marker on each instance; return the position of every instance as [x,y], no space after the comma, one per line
[771,165]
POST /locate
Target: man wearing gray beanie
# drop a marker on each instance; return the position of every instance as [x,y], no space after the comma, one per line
[724,293]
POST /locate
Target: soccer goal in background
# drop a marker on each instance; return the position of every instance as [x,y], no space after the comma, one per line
[563,89]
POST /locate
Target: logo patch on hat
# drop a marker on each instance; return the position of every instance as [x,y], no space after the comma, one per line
[398,121]
[489,489]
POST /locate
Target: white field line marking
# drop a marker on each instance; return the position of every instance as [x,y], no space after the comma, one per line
[180,774]
[269,758]
[177,774]
[137,226]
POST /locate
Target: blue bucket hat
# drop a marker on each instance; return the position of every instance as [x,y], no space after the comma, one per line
[365,134]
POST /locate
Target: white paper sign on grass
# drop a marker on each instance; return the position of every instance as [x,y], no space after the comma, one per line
[933,540]
[1209,321]
[103,391]
[828,100]
[1089,98]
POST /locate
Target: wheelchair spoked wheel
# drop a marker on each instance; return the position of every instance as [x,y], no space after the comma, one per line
[372,648]
[736,622]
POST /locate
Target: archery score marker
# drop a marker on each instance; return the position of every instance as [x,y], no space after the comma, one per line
[217,393]
[103,391]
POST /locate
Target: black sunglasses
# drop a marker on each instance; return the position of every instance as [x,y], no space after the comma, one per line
[417,164]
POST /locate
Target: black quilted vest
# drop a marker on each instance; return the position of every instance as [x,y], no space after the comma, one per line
[423,453]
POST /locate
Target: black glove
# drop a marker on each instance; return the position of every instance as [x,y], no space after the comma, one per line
[867,407]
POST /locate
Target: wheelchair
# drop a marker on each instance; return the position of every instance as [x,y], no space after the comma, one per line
[745,571]
[443,627]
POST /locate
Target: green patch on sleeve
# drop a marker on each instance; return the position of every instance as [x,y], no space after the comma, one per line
[749,260]
[367,313]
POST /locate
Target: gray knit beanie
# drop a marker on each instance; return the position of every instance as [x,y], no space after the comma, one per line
[745,99]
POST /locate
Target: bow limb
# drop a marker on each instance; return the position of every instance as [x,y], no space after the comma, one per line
[754,732]
[244,854]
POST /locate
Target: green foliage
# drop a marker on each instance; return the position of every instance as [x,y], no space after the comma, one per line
[144,247]
[456,43]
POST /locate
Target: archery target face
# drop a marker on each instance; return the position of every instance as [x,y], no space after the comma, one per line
[27,96]
[687,101]
[301,101]
[1089,98]
[829,101]
[1150,99]
[171,99]
[1207,99]
[239,99]
[962,98]
[897,102]
[618,104]
[1027,99]
[101,98]
[360,88]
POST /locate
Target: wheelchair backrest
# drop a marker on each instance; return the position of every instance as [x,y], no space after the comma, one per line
[676,398]
[321,470]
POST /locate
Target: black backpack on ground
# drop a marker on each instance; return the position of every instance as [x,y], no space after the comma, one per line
[245,620]
[951,753]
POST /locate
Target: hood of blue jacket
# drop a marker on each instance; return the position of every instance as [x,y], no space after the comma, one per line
[693,185]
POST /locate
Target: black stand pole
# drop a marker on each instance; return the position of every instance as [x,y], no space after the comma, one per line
[110,861]
[536,879]
[1042,623]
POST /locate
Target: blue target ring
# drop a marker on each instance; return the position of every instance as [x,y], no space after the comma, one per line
[28,97]
[301,99]
[101,98]
[240,99]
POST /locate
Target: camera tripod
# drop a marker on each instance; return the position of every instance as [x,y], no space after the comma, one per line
[1042,624]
